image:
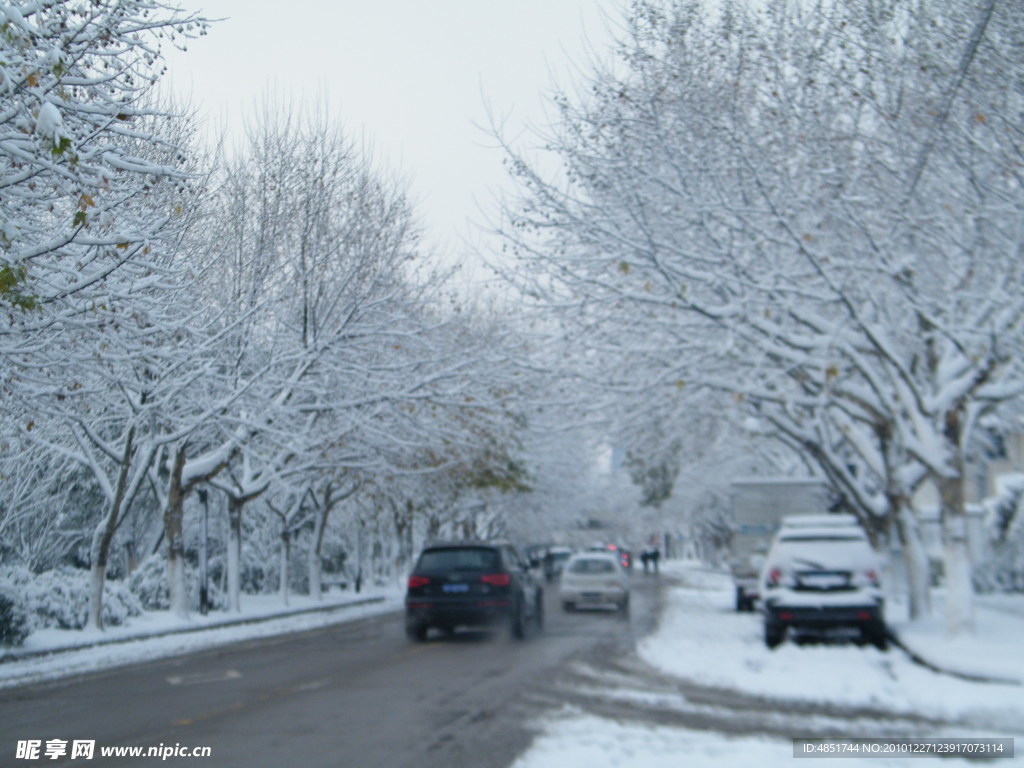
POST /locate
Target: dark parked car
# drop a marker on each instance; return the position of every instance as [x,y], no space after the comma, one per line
[472,584]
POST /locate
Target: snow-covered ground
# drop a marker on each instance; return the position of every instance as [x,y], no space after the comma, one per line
[703,640]
[158,634]
[700,639]
[594,742]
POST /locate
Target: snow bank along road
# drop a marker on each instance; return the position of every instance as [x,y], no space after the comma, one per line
[359,694]
[354,694]
[703,691]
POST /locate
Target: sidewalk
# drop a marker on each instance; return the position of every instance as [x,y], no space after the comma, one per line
[836,689]
[991,654]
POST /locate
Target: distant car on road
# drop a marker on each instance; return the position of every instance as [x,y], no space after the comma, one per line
[624,555]
[822,580]
[594,579]
[471,584]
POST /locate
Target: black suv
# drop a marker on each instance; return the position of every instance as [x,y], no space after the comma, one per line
[471,584]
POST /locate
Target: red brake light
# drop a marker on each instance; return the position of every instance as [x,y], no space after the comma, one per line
[774,576]
[418,581]
[496,579]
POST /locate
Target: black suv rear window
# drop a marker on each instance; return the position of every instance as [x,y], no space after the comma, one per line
[462,559]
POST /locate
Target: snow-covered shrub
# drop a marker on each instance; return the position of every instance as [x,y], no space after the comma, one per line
[1003,569]
[258,556]
[60,598]
[149,585]
[13,577]
[56,599]
[14,624]
[256,578]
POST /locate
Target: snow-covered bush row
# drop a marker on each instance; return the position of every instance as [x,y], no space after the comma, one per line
[1003,569]
[59,598]
[149,585]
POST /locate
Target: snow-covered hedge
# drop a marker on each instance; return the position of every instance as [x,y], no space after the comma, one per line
[60,598]
[1003,569]
[14,627]
[149,584]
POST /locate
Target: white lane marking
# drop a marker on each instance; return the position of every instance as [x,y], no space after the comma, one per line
[204,677]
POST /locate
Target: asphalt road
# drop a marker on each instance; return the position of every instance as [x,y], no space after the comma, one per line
[355,694]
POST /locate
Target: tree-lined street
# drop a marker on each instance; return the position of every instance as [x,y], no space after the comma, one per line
[361,692]
[778,245]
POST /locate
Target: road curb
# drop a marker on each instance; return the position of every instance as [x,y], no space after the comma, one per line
[969,677]
[14,656]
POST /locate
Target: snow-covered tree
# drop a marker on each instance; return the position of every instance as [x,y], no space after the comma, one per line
[318,275]
[95,191]
[810,211]
[76,122]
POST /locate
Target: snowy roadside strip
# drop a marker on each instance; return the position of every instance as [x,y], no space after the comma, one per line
[917,658]
[12,656]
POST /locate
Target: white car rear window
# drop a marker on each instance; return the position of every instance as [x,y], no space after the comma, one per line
[825,553]
[592,565]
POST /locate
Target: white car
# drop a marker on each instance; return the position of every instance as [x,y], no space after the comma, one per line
[594,579]
[822,580]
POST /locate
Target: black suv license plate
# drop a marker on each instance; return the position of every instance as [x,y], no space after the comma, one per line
[456,587]
[824,580]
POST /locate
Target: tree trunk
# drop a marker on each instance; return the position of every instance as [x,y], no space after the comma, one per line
[915,559]
[286,544]
[104,535]
[315,548]
[175,537]
[959,578]
[98,578]
[959,584]
[359,556]
[330,500]
[234,574]
[403,533]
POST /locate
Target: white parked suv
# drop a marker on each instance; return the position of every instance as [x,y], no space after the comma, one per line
[821,577]
[594,579]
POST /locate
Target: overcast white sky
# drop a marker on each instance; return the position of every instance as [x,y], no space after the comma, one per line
[412,77]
